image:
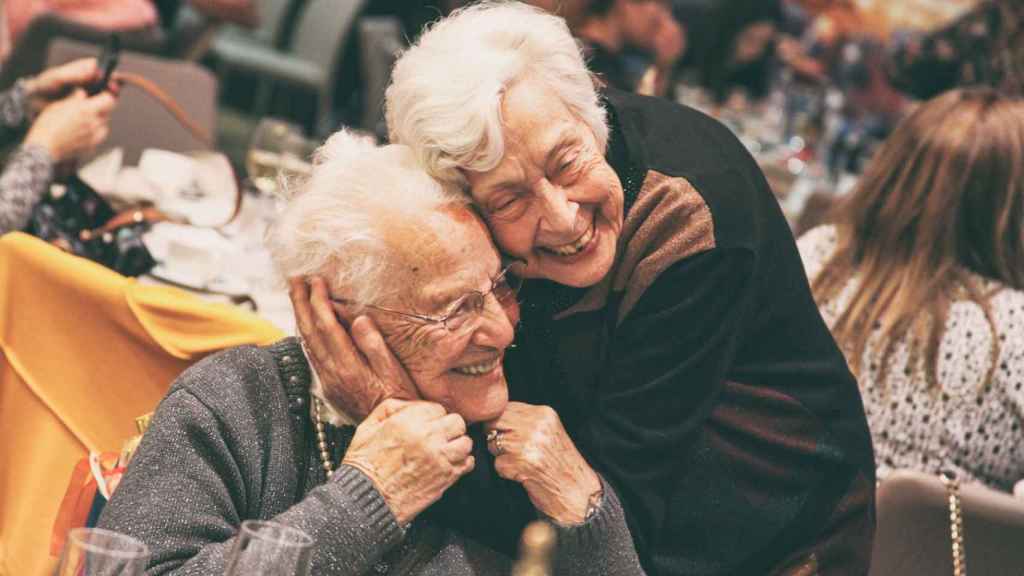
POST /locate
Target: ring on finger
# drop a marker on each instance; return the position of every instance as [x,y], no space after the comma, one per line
[494,439]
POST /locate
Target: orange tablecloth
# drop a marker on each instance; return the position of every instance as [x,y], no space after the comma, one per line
[83,351]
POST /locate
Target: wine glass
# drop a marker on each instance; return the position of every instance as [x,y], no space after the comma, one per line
[277,148]
[98,552]
[264,547]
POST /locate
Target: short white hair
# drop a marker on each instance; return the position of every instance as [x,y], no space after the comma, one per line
[351,220]
[446,90]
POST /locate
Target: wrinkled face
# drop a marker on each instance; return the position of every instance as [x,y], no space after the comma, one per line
[460,369]
[553,201]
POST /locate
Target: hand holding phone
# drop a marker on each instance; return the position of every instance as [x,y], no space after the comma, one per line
[107,63]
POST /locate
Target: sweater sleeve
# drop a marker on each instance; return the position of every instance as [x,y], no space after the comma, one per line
[22,184]
[187,488]
[602,546]
[13,110]
[666,373]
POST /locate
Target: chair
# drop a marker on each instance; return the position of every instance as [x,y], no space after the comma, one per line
[380,41]
[139,121]
[83,351]
[912,537]
[311,62]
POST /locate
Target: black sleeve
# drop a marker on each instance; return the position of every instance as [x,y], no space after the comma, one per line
[669,359]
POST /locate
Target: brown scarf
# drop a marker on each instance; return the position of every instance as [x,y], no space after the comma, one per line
[669,222]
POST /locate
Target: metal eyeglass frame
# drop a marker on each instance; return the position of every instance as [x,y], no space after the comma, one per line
[456,306]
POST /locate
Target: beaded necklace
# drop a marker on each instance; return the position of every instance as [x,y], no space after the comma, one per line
[321,439]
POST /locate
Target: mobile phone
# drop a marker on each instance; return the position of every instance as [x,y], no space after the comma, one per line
[106,63]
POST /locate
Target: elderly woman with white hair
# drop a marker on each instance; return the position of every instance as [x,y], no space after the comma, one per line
[252,433]
[667,323]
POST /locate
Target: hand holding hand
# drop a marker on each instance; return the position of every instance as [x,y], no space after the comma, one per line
[532,447]
[358,371]
[413,452]
[73,126]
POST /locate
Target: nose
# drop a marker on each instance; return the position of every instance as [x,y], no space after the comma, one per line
[558,212]
[495,329]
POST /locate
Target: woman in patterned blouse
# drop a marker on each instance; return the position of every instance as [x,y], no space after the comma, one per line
[921,279]
[67,124]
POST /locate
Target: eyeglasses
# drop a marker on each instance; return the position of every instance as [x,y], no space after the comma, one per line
[463,310]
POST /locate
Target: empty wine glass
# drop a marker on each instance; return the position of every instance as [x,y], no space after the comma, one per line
[264,547]
[98,552]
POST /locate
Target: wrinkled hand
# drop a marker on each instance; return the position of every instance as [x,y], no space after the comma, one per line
[412,451]
[537,452]
[73,126]
[358,372]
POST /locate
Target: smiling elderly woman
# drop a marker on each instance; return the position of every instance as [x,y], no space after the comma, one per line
[666,317]
[250,433]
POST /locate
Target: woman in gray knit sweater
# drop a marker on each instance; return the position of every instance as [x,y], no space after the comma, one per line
[251,434]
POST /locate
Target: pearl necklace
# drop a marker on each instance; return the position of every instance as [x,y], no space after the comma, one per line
[321,438]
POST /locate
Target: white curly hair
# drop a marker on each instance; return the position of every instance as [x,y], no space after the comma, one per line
[445,96]
[351,220]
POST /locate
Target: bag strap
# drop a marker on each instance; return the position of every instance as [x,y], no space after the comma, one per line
[171,105]
[168,102]
[128,217]
[956,523]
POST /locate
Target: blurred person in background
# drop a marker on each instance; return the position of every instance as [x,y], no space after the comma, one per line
[612,29]
[136,20]
[732,45]
[985,47]
[574,11]
[150,26]
[920,279]
[63,124]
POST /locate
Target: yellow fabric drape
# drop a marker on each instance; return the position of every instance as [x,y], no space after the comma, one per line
[83,351]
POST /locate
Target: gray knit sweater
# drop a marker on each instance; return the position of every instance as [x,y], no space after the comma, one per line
[233,440]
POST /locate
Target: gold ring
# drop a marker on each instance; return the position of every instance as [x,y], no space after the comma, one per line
[494,437]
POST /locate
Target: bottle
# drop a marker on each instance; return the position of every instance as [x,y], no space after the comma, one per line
[141,423]
[536,547]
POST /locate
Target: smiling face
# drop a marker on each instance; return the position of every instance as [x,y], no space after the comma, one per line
[461,369]
[553,201]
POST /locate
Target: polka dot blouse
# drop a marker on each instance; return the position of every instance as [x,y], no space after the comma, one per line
[968,426]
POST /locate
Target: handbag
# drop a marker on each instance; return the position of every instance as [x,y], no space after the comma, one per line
[77,219]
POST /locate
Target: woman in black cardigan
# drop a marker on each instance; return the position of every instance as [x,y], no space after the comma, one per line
[666,316]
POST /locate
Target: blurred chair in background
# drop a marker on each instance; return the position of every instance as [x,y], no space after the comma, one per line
[233,40]
[380,41]
[83,352]
[309,63]
[913,534]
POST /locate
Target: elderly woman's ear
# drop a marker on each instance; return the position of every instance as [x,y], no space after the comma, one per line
[358,371]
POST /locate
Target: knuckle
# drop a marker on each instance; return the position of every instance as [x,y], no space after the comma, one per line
[547,414]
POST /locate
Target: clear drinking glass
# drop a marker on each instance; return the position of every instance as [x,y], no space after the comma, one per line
[98,552]
[277,149]
[265,548]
